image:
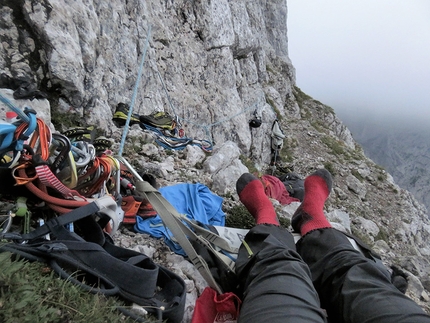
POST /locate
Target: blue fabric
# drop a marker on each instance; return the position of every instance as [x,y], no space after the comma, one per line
[196,201]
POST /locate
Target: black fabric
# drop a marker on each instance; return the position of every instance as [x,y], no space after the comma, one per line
[223,275]
[282,285]
[294,184]
[121,271]
[255,123]
[275,281]
[24,87]
[353,288]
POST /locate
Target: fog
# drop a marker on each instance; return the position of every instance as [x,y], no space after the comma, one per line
[363,58]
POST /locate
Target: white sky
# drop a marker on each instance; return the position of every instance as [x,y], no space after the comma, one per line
[363,56]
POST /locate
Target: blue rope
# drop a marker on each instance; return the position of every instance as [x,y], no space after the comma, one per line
[18,111]
[133,99]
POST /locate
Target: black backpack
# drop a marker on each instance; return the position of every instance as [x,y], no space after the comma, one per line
[294,185]
[105,268]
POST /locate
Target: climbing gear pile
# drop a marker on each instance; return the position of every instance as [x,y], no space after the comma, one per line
[160,119]
[58,172]
[68,170]
[132,204]
[165,129]
[63,196]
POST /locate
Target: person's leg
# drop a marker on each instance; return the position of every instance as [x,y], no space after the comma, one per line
[352,288]
[275,281]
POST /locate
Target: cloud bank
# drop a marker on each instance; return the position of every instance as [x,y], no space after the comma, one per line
[363,57]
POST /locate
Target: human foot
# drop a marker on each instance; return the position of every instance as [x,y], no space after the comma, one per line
[310,215]
[251,194]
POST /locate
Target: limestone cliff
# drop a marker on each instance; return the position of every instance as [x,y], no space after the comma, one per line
[211,64]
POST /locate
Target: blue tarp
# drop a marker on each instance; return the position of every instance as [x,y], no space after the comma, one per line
[196,201]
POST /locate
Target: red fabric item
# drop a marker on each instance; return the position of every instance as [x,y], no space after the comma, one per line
[212,307]
[275,189]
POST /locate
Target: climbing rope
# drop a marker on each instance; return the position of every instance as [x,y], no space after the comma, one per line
[133,99]
[18,111]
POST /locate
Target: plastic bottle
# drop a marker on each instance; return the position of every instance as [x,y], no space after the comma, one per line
[11,116]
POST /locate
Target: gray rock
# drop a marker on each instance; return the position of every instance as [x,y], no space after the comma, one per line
[341,218]
[356,186]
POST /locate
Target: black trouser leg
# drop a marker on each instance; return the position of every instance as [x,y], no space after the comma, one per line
[276,282]
[352,288]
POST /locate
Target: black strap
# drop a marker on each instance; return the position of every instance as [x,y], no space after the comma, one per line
[72,216]
[128,273]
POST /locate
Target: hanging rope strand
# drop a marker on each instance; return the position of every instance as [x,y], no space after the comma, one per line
[133,99]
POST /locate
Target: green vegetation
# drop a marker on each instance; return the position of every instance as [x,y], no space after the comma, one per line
[286,153]
[270,69]
[300,96]
[329,166]
[32,292]
[357,175]
[327,109]
[356,154]
[362,237]
[305,113]
[382,235]
[284,222]
[337,147]
[319,126]
[62,120]
[239,217]
[381,178]
[248,163]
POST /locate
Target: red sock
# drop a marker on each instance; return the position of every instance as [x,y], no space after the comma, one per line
[252,195]
[310,214]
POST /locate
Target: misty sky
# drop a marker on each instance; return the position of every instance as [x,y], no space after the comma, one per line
[363,55]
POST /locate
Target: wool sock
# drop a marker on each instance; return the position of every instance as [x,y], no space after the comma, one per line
[251,194]
[310,214]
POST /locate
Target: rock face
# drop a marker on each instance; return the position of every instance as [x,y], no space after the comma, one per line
[211,64]
[206,62]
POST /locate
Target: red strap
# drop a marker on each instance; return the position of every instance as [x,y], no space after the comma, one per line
[49,179]
[41,193]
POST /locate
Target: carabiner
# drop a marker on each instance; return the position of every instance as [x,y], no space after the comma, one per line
[61,143]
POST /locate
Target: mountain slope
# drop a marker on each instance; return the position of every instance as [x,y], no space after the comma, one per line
[401,147]
[211,65]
